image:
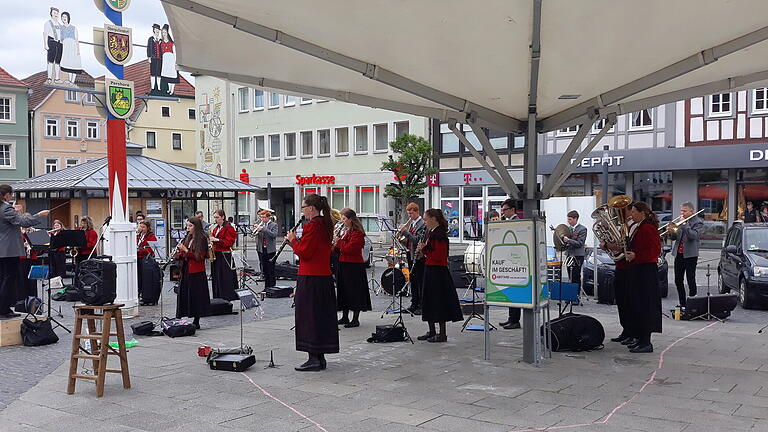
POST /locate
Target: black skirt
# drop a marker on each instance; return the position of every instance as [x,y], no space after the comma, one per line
[439,301]
[352,287]
[316,328]
[193,299]
[58,264]
[645,299]
[223,278]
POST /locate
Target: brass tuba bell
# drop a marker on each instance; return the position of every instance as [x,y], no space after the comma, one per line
[611,224]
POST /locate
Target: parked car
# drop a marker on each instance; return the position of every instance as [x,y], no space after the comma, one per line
[743,264]
[606,269]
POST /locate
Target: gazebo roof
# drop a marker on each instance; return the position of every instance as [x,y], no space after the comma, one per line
[144,173]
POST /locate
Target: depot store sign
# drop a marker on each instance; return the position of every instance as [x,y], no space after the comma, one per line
[314,179]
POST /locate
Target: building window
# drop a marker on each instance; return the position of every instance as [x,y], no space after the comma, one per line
[324,142]
[274,146]
[258,148]
[51,164]
[402,128]
[499,140]
[617,185]
[306,144]
[176,141]
[70,162]
[89,98]
[598,126]
[367,199]
[571,130]
[290,145]
[361,139]
[70,96]
[641,120]
[306,100]
[73,129]
[519,141]
[245,149]
[6,155]
[381,135]
[720,105]
[450,142]
[574,185]
[449,204]
[165,111]
[7,109]
[258,99]
[713,198]
[290,101]
[192,113]
[655,189]
[52,127]
[151,140]
[760,100]
[274,100]
[339,196]
[242,96]
[92,129]
[342,141]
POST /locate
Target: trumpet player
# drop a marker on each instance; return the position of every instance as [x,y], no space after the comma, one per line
[266,233]
[686,250]
[414,230]
[223,277]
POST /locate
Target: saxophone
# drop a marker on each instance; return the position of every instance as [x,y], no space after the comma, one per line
[211,252]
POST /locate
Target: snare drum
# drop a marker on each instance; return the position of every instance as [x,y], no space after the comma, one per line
[474,258]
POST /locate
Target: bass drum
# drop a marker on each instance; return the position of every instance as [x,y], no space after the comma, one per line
[393,284]
[474,258]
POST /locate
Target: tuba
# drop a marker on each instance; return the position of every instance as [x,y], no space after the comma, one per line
[611,225]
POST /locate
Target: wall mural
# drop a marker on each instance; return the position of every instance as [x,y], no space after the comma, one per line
[62,46]
[161,52]
[210,135]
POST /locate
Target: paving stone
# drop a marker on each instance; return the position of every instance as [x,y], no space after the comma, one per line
[398,414]
[450,423]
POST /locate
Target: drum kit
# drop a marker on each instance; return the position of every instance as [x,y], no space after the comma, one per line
[394,280]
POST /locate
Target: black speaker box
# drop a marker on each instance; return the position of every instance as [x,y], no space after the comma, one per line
[220,307]
[96,281]
[720,306]
[232,362]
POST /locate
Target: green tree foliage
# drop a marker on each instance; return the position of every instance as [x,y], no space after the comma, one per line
[411,169]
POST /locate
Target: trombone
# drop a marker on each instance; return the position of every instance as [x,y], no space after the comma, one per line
[673,226]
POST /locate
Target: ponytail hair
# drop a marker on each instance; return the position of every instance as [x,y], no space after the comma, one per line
[321,204]
[643,208]
[437,214]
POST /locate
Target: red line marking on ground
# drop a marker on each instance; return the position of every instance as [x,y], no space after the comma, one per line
[269,395]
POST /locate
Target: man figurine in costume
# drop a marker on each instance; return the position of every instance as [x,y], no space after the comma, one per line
[53,46]
[155,56]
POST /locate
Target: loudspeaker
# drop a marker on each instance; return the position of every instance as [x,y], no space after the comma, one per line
[720,306]
[96,281]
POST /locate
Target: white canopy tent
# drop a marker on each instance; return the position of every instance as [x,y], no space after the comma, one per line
[523,66]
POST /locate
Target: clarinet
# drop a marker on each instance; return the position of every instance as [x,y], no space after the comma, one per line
[285,242]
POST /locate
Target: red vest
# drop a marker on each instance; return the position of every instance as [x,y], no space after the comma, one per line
[350,247]
[226,235]
[314,249]
[142,245]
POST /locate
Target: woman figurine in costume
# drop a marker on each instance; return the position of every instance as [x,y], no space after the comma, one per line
[168,74]
[70,55]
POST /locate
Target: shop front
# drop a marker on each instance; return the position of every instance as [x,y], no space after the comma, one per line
[719,179]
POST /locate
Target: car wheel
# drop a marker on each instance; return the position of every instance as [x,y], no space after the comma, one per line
[744,300]
[721,284]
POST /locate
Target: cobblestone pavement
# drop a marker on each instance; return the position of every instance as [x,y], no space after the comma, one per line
[23,367]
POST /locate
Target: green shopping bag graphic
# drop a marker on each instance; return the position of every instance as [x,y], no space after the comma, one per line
[508,272]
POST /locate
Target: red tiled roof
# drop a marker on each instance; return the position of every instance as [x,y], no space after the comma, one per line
[139,74]
[8,80]
[39,91]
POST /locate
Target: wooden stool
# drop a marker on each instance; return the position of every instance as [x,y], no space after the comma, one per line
[100,348]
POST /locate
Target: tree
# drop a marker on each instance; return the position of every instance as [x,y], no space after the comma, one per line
[411,169]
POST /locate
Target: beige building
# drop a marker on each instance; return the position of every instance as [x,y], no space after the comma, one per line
[166,128]
[67,130]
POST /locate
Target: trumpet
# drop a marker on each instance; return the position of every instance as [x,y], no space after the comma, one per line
[257,229]
[674,225]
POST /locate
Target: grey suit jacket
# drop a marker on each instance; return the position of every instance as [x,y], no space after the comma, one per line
[419,229]
[268,233]
[689,234]
[11,242]
[575,243]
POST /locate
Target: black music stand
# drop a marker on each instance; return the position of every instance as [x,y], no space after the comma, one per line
[65,238]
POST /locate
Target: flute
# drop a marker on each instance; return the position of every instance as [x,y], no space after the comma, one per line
[285,242]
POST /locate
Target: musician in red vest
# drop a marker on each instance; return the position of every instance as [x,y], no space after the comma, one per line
[223,277]
[352,282]
[86,224]
[144,250]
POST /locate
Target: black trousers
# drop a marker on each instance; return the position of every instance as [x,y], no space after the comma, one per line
[267,268]
[9,278]
[685,268]
[574,271]
[514,315]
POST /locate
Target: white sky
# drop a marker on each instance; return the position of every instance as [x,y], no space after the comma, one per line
[21,31]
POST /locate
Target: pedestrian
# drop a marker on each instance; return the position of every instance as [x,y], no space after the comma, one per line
[508,212]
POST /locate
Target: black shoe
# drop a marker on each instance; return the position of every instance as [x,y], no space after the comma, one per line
[352,324]
[511,326]
[425,336]
[323,363]
[343,321]
[313,365]
[507,322]
[642,349]
[438,338]
[416,311]
[9,315]
[620,338]
[197,326]
[629,341]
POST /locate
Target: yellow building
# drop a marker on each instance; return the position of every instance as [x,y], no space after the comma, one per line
[166,128]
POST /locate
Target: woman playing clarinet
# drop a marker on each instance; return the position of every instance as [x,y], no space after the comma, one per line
[193,299]
[316,329]
[352,282]
[144,250]
[440,303]
[59,256]
[86,224]
[223,277]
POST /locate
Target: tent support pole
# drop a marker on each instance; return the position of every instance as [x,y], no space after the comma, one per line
[484,163]
[565,159]
[495,159]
